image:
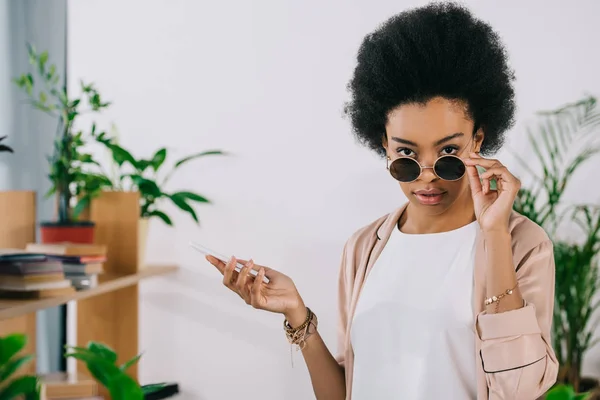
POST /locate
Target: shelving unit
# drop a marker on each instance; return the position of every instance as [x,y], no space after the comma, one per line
[18,213]
[107,313]
[108,283]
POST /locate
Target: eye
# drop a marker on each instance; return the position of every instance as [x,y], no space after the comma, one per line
[405,152]
[449,150]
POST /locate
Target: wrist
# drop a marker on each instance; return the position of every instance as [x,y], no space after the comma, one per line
[496,233]
[297,315]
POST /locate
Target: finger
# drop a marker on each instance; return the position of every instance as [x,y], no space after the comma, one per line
[256,286]
[476,159]
[220,265]
[229,272]
[504,179]
[485,184]
[474,181]
[241,283]
[255,266]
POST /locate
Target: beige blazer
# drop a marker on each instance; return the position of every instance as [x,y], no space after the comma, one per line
[515,358]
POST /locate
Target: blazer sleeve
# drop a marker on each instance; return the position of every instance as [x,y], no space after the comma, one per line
[516,350]
[344,296]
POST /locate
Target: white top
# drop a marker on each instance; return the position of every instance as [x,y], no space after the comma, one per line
[413,330]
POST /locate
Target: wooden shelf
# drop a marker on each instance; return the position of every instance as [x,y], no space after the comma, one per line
[108,282]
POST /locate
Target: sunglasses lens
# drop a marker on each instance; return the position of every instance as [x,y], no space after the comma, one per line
[405,169]
[450,168]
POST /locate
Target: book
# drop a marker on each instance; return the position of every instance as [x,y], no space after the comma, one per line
[29,268]
[32,286]
[13,255]
[67,249]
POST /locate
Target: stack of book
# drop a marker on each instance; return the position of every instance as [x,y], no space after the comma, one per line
[81,263]
[31,275]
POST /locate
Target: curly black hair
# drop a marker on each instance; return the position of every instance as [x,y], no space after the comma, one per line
[437,50]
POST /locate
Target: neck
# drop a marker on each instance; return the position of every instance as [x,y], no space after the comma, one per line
[460,213]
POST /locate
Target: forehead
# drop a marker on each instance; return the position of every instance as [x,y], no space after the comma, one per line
[426,123]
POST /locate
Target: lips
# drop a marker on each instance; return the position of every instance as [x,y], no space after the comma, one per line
[429,197]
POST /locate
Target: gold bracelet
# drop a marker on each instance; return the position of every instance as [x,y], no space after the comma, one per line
[297,336]
[496,299]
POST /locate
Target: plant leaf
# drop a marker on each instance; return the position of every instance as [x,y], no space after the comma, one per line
[120,155]
[10,345]
[181,202]
[161,215]
[124,387]
[192,196]
[198,155]
[100,368]
[158,159]
[146,186]
[103,351]
[25,385]
[81,205]
[6,370]
[130,362]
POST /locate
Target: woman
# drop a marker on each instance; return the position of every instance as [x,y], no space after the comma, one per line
[451,295]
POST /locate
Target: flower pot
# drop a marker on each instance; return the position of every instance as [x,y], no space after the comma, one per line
[73,232]
[143,225]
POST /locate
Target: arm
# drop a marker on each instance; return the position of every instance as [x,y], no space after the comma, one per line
[326,375]
[281,296]
[516,351]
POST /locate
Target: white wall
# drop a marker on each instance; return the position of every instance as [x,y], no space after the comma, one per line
[265,80]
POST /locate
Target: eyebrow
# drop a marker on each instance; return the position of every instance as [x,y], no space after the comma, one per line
[441,141]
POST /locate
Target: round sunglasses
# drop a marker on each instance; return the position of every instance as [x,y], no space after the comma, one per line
[448,168]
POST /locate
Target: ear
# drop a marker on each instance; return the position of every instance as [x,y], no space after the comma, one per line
[384,142]
[478,140]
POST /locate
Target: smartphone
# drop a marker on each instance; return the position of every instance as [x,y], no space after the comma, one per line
[206,251]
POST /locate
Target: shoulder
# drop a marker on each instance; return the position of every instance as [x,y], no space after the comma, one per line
[362,241]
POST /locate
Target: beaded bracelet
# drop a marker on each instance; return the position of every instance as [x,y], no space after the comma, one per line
[496,299]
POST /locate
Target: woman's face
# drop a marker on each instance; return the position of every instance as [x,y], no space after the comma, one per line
[425,133]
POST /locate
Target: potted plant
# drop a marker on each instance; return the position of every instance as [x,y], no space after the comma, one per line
[567,138]
[3,147]
[69,163]
[26,387]
[150,177]
[565,392]
[101,362]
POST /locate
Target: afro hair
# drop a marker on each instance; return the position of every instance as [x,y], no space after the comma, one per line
[436,50]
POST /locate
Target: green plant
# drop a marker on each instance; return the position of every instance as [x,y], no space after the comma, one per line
[150,177]
[69,162]
[4,147]
[25,386]
[101,362]
[565,392]
[577,284]
[565,141]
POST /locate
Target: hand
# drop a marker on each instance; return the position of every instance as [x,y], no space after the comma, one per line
[279,295]
[492,207]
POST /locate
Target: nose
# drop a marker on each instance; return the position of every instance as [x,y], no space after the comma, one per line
[427,173]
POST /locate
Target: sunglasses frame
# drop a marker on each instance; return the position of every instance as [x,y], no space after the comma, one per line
[421,168]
